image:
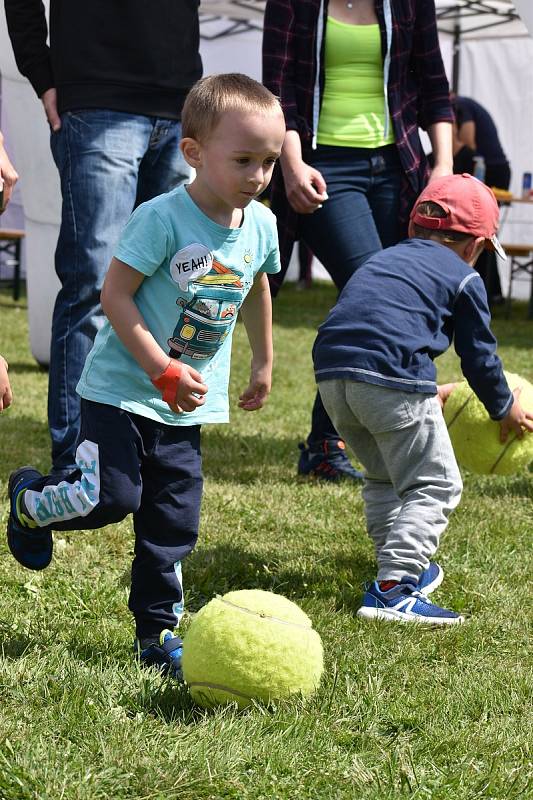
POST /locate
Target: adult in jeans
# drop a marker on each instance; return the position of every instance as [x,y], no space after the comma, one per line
[356,79]
[112,82]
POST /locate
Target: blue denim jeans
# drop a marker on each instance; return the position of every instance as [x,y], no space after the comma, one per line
[359,218]
[108,163]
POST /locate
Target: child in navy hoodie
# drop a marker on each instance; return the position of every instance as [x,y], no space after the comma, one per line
[373,361]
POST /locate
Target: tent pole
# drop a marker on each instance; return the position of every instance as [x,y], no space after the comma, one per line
[456,58]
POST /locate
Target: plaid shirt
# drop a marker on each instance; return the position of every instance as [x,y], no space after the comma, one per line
[417,88]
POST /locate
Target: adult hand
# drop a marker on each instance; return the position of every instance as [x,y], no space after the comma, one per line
[8,176]
[49,101]
[517,420]
[305,187]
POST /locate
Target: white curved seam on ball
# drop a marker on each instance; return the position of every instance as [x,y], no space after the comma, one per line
[265,616]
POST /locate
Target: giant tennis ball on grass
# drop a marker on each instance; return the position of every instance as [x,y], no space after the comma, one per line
[251,645]
[476,437]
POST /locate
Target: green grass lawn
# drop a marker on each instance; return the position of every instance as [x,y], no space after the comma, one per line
[401,712]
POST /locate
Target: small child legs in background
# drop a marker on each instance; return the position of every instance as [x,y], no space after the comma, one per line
[412,483]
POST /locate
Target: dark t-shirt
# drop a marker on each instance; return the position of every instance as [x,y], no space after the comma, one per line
[487,140]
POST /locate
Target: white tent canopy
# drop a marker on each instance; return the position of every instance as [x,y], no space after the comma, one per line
[495,68]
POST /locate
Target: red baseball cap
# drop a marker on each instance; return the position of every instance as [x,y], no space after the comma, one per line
[470,206]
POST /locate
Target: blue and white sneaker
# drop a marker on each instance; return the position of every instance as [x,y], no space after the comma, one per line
[404,603]
[164,654]
[31,545]
[430,579]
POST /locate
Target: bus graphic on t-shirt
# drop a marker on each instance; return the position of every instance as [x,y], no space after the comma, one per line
[206,319]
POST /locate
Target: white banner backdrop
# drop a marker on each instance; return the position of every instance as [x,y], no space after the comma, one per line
[498,72]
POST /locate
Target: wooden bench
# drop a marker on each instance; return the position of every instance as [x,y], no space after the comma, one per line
[10,243]
[520,266]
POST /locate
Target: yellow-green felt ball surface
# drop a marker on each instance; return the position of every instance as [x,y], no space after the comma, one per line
[476,438]
[251,645]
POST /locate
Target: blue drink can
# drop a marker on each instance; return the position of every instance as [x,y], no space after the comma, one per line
[526,184]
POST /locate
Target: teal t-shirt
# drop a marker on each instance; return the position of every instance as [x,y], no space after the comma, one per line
[197,276]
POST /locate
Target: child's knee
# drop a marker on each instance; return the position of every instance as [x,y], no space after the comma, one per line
[120,503]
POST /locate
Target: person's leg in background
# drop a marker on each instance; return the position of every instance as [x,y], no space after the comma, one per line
[498,175]
[361,212]
[103,157]
[163,166]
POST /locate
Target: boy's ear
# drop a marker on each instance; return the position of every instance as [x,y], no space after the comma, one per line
[192,152]
[473,248]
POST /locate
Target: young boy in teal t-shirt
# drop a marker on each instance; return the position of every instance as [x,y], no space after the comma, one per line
[188,261]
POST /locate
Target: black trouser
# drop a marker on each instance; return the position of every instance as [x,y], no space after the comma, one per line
[487,264]
[128,464]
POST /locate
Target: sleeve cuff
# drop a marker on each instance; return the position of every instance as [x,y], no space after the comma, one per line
[505,411]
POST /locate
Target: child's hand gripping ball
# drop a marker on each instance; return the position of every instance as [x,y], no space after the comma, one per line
[476,438]
[251,645]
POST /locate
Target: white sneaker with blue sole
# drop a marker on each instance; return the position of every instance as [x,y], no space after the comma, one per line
[404,603]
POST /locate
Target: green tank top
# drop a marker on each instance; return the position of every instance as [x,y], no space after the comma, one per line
[353,105]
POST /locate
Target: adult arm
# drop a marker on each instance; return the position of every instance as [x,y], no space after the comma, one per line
[120,285]
[435,112]
[26,24]
[6,395]
[256,313]
[441,137]
[467,134]
[279,56]
[8,175]
[304,185]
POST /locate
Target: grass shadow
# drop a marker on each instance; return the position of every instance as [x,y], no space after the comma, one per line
[228,567]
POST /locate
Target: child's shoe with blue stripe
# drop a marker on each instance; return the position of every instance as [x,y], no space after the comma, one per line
[164,653]
[329,463]
[31,545]
[404,603]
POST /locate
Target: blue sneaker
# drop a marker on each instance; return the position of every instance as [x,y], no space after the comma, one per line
[31,545]
[430,579]
[330,463]
[404,603]
[164,654]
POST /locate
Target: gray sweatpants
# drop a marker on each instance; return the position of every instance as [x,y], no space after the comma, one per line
[412,481]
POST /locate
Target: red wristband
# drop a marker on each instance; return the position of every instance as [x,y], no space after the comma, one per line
[167,382]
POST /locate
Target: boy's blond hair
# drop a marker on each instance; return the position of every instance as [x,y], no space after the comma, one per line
[213,96]
[430,209]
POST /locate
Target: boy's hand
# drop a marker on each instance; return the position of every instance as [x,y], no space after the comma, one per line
[6,395]
[182,387]
[517,420]
[444,391]
[257,391]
